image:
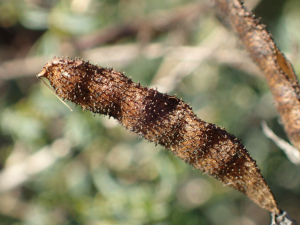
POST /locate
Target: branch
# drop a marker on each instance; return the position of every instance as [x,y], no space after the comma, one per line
[277,69]
[115,55]
[145,27]
[32,165]
[23,67]
[291,152]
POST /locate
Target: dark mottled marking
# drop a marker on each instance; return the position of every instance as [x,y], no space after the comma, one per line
[163,119]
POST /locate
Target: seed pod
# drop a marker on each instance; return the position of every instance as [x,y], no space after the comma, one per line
[163,119]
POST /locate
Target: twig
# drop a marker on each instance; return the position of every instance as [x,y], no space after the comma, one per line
[19,173]
[123,55]
[291,152]
[13,206]
[149,26]
[182,61]
[23,67]
[283,219]
[276,68]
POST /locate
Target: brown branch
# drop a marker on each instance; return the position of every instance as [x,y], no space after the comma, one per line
[162,119]
[146,27]
[23,67]
[123,55]
[276,68]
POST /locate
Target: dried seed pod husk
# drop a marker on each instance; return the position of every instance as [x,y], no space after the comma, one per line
[163,119]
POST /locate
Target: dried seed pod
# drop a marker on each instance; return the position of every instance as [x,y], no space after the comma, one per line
[162,119]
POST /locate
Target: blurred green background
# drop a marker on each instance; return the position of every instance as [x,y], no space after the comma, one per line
[61,167]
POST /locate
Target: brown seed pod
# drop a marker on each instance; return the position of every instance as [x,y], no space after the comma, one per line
[162,119]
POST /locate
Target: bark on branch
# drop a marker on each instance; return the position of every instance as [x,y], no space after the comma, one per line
[277,69]
[278,72]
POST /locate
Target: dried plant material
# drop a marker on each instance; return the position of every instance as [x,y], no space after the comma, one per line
[162,119]
[291,152]
[286,67]
[283,219]
[277,69]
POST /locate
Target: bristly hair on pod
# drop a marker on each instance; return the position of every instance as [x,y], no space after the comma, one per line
[162,119]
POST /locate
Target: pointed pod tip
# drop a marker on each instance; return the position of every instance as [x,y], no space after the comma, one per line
[41,74]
